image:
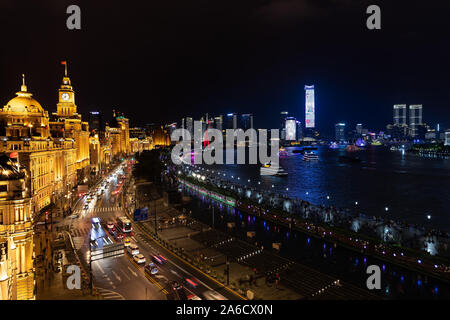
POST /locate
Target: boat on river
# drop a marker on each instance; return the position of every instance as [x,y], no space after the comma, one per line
[268,170]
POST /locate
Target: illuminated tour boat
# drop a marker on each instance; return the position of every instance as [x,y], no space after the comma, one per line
[267,170]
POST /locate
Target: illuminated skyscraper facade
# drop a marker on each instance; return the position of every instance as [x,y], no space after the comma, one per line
[415,119]
[399,114]
[291,129]
[309,107]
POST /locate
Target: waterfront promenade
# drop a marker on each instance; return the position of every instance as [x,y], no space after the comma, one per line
[251,267]
[335,225]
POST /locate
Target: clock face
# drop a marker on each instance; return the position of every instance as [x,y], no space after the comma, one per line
[65,96]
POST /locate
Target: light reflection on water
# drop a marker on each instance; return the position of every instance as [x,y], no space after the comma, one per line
[412,187]
[343,263]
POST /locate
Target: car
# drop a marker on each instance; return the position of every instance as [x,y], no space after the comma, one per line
[151,268]
[126,242]
[191,282]
[193,297]
[178,290]
[139,258]
[159,259]
[213,295]
[86,206]
[133,249]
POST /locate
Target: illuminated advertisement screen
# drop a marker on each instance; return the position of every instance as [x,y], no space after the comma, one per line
[309,107]
[290,129]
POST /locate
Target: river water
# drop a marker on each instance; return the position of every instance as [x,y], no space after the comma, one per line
[344,264]
[413,189]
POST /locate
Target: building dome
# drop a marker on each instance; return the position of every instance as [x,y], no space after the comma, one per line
[23,102]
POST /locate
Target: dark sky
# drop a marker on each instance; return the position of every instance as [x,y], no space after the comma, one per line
[162,60]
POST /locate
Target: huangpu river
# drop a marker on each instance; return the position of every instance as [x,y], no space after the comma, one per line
[390,184]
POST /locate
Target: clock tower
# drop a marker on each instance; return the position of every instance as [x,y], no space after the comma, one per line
[66,106]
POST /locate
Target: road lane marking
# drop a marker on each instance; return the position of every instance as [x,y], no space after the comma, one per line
[125,274]
[116,275]
[134,273]
[192,266]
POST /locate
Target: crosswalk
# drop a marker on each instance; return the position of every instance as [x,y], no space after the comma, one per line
[80,232]
[98,209]
[109,295]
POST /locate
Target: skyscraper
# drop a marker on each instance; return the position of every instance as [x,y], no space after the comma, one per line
[190,126]
[359,129]
[299,130]
[447,138]
[340,132]
[291,129]
[415,118]
[399,114]
[247,121]
[219,122]
[283,117]
[232,121]
[309,107]
[95,121]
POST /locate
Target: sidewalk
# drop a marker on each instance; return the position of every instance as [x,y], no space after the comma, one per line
[52,259]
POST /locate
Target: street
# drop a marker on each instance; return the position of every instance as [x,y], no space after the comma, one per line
[119,278]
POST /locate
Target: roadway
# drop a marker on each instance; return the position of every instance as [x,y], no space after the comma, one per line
[120,277]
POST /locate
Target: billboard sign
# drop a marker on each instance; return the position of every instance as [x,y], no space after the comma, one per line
[140,214]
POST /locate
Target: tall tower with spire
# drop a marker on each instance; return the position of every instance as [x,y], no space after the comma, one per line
[66,106]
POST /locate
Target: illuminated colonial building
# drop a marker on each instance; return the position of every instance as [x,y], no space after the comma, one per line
[67,121]
[49,161]
[119,135]
[16,232]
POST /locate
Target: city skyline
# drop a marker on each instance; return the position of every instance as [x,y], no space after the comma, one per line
[231,74]
[232,150]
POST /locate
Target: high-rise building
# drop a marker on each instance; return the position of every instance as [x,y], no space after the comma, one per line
[190,126]
[447,138]
[359,129]
[95,121]
[415,118]
[232,121]
[299,130]
[291,129]
[218,122]
[309,107]
[247,121]
[283,116]
[399,114]
[340,132]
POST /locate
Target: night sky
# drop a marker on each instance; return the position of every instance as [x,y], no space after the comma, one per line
[162,60]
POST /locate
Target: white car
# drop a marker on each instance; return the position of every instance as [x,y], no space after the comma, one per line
[139,258]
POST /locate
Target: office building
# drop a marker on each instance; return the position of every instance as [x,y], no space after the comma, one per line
[340,132]
[309,107]
[247,121]
[400,114]
[231,121]
[283,116]
[95,121]
[291,129]
[415,119]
